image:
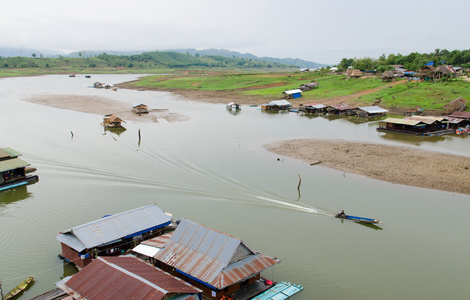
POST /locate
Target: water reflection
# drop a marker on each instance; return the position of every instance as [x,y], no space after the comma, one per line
[14,194]
[412,139]
[69,269]
[369,225]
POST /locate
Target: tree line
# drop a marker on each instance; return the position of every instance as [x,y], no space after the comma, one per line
[145,60]
[413,61]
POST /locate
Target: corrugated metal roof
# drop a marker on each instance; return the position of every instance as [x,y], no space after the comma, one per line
[461,114]
[118,226]
[159,241]
[427,119]
[290,92]
[11,164]
[402,121]
[342,106]
[373,109]
[208,255]
[8,152]
[125,278]
[146,250]
[279,102]
[71,240]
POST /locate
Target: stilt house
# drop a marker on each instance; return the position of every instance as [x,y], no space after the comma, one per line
[112,121]
[140,109]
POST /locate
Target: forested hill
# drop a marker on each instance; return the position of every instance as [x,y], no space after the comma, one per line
[228,53]
[145,60]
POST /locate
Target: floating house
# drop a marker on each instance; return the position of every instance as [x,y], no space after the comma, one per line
[311,108]
[112,235]
[341,109]
[140,109]
[417,125]
[276,105]
[371,111]
[464,115]
[233,106]
[126,278]
[215,262]
[13,170]
[112,121]
[293,94]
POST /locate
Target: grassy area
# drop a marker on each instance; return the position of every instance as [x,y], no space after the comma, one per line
[428,95]
[270,85]
[362,91]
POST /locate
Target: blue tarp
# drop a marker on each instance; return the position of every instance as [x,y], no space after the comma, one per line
[431,63]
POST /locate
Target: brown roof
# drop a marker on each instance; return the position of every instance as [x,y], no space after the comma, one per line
[342,106]
[213,257]
[388,74]
[125,278]
[461,114]
[158,241]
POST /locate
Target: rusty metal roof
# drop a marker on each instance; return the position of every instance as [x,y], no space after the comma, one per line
[342,106]
[427,119]
[158,241]
[111,228]
[124,278]
[212,257]
[461,114]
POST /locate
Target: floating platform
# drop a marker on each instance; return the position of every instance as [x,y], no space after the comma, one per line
[280,291]
[19,182]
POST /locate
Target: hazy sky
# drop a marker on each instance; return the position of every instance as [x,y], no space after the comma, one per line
[323,31]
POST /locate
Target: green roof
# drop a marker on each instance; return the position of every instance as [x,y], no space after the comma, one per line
[8,152]
[12,164]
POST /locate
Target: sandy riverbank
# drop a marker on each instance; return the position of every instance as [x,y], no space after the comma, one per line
[402,165]
[103,106]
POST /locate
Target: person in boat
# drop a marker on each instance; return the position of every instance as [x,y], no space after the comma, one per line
[341,214]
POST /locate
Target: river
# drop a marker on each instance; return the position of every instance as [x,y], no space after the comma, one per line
[212,169]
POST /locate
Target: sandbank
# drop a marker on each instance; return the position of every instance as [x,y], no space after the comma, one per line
[104,106]
[401,165]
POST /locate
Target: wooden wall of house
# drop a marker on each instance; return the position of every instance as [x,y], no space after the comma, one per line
[74,257]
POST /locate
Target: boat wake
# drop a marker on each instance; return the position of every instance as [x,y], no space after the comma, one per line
[298,207]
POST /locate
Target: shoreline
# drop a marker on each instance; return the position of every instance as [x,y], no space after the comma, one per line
[394,164]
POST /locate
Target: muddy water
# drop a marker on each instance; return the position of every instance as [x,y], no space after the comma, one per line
[212,169]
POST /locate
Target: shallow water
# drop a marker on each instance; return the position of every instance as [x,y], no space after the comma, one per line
[213,170]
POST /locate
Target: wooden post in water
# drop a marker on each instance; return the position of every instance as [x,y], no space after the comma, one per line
[139,138]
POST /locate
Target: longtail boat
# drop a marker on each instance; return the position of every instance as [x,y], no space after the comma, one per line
[342,215]
[19,289]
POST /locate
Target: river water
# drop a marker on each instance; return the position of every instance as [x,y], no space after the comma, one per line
[212,169]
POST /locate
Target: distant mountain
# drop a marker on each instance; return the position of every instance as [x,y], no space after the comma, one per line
[228,53]
[26,52]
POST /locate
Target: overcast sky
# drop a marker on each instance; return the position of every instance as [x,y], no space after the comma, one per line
[323,31]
